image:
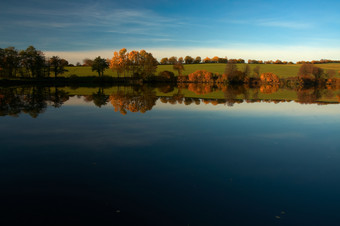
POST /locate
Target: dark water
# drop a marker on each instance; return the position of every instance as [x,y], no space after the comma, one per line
[250,164]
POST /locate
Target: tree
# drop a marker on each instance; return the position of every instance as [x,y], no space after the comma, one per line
[198,60]
[215,59]
[115,63]
[99,65]
[58,65]
[172,60]
[141,64]
[148,64]
[33,61]
[123,60]
[181,60]
[307,70]
[87,62]
[164,60]
[133,61]
[10,61]
[179,67]
[230,71]
[223,60]
[256,71]
[188,60]
[206,60]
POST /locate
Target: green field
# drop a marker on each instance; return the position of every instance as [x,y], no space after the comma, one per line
[283,71]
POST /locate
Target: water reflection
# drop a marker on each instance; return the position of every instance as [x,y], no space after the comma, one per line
[254,164]
[34,100]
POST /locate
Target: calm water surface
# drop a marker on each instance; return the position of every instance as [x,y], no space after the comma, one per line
[250,164]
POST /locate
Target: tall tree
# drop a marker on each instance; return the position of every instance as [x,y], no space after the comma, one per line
[11,60]
[58,65]
[34,61]
[140,63]
[179,67]
[99,65]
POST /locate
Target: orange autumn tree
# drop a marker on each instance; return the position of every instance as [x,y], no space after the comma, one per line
[215,59]
[201,76]
[139,64]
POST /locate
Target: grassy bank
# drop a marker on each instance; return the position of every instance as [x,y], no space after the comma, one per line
[283,71]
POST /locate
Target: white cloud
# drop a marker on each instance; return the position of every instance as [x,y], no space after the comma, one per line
[283,24]
[273,22]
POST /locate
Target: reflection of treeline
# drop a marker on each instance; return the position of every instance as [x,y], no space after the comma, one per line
[137,99]
[35,100]
[29,100]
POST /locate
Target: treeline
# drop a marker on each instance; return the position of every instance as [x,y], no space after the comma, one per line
[308,74]
[232,74]
[29,63]
[322,61]
[269,62]
[198,60]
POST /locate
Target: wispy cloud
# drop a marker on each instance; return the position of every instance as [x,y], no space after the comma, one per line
[273,22]
[283,24]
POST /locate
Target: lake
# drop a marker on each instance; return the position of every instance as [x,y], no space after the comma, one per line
[169,156]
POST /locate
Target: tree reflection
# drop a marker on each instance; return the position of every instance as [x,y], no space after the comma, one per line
[32,101]
[35,100]
[137,100]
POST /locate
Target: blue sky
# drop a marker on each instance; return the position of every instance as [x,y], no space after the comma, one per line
[288,30]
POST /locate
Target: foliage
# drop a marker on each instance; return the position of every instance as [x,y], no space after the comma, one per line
[270,78]
[179,67]
[99,65]
[142,64]
[188,60]
[167,75]
[87,62]
[232,73]
[201,76]
[58,65]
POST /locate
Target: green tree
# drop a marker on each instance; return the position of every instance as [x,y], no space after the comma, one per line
[197,60]
[99,65]
[10,61]
[33,61]
[188,60]
[172,60]
[58,65]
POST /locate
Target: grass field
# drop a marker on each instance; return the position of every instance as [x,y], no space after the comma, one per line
[283,71]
